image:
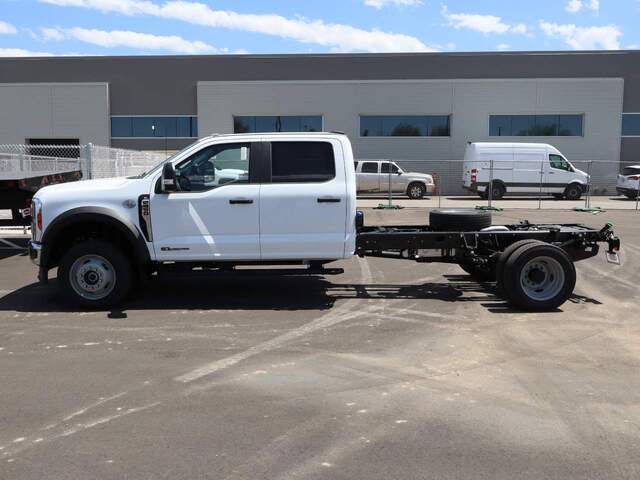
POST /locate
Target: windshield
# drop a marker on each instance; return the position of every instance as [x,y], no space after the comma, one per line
[159,165]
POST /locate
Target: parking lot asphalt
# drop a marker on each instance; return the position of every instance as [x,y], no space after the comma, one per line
[392,370]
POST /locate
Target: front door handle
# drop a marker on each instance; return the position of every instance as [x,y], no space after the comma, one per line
[328,200]
[240,201]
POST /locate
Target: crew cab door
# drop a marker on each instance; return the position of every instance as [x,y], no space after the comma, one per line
[391,173]
[368,177]
[215,213]
[303,209]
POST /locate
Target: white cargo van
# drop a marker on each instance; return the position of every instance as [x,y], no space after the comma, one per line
[521,168]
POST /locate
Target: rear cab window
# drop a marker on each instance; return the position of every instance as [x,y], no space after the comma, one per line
[302,162]
[369,167]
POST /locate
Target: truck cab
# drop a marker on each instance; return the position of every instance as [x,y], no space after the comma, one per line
[233,199]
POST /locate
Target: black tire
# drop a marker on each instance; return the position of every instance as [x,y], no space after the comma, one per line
[416,191]
[551,278]
[502,261]
[631,196]
[110,260]
[479,274]
[573,191]
[497,191]
[459,220]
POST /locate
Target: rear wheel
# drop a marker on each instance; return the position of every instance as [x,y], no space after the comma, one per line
[502,261]
[497,191]
[631,196]
[416,191]
[94,274]
[539,277]
[573,192]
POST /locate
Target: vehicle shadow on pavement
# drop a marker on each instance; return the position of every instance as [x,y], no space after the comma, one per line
[212,292]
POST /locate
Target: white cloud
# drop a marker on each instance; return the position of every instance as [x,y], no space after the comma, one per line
[20,52]
[7,28]
[51,34]
[575,6]
[503,46]
[485,24]
[337,36]
[128,39]
[397,3]
[585,38]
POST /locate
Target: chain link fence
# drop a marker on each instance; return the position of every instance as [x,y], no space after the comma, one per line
[516,184]
[92,161]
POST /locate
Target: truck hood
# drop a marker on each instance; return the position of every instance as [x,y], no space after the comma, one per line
[89,189]
[424,176]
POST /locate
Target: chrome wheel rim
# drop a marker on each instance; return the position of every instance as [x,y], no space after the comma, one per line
[92,277]
[542,278]
[415,191]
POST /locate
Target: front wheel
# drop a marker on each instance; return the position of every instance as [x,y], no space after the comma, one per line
[94,274]
[573,192]
[416,191]
[631,196]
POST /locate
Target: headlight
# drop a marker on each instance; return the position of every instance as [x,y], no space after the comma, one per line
[36,219]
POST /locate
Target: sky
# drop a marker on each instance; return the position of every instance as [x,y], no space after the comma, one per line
[198,27]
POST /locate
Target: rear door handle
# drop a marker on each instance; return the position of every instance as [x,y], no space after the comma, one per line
[240,201]
[328,200]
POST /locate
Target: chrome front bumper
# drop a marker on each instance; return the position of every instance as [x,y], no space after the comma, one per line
[35,252]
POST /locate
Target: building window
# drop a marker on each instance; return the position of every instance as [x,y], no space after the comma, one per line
[631,124]
[281,123]
[154,127]
[535,125]
[405,126]
[302,162]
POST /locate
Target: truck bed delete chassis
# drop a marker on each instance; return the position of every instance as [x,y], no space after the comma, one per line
[409,241]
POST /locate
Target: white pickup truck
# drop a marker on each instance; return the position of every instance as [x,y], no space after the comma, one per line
[231,201]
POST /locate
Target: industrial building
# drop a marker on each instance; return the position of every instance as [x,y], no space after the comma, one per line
[423,106]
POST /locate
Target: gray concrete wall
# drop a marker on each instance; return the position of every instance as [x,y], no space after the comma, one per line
[469,102]
[54,110]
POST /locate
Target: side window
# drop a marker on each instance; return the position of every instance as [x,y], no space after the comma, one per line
[302,162]
[559,162]
[369,167]
[214,166]
[384,167]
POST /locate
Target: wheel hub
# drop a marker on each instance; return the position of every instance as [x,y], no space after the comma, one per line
[92,277]
[542,278]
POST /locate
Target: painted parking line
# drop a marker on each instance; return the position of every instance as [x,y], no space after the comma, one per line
[10,245]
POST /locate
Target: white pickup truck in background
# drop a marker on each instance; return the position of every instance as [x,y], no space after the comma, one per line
[277,200]
[377,176]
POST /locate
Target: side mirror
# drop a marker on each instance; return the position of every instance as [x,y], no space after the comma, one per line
[399,172]
[169,181]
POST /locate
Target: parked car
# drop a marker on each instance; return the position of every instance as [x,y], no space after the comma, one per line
[629,182]
[294,212]
[521,168]
[373,176]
